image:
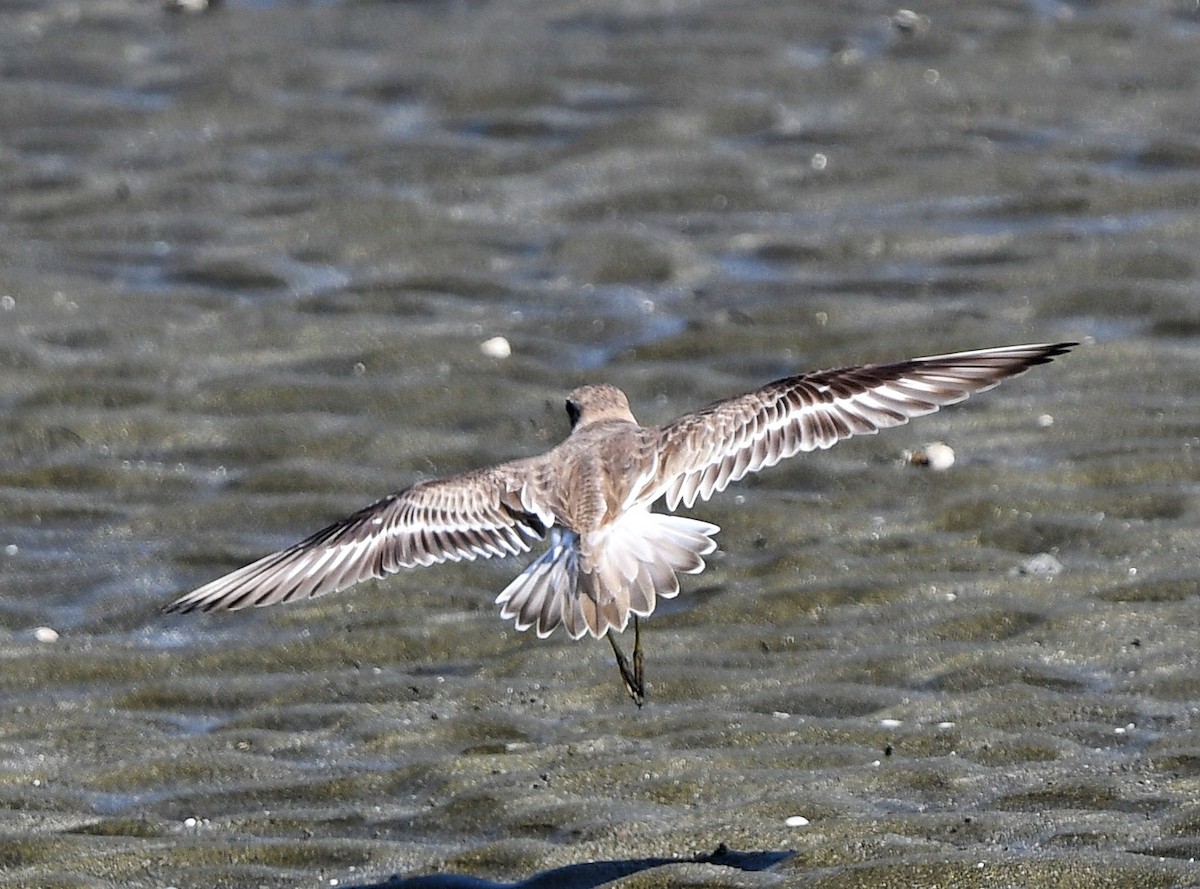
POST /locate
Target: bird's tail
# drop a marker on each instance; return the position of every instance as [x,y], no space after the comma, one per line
[593,583]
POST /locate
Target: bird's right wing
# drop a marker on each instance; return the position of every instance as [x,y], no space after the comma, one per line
[491,512]
[701,452]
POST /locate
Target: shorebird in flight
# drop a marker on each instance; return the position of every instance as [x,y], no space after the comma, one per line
[610,558]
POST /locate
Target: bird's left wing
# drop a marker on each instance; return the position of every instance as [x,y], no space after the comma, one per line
[491,512]
[702,452]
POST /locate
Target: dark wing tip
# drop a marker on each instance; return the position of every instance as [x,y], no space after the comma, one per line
[186,604]
[1034,353]
[179,606]
[1004,361]
[1047,352]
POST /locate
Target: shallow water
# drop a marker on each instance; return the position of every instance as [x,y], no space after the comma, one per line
[248,262]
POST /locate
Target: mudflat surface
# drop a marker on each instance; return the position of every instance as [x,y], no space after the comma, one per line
[247,263]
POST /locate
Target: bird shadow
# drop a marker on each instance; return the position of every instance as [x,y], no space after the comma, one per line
[587,875]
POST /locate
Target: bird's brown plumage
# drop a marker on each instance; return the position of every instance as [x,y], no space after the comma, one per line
[610,556]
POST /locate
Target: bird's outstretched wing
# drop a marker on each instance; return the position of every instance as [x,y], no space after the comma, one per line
[491,512]
[704,451]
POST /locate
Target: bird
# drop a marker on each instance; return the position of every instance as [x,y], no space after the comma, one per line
[610,557]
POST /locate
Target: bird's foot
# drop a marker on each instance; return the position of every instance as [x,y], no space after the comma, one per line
[635,684]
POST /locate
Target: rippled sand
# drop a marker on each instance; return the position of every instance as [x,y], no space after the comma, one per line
[248,261]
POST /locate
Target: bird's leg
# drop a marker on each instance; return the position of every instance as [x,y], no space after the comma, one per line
[632,677]
[638,676]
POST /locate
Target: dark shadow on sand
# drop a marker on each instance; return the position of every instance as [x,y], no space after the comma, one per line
[589,875]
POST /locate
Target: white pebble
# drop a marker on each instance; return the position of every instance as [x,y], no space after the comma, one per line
[45,634]
[797,821]
[908,22]
[1041,565]
[937,455]
[889,723]
[1045,420]
[496,347]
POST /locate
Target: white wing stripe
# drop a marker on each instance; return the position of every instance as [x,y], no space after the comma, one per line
[464,517]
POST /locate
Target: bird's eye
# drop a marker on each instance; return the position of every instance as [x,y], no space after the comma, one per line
[573,411]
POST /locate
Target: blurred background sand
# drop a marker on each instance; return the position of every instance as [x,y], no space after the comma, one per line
[247,263]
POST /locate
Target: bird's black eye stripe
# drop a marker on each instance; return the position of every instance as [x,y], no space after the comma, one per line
[573,410]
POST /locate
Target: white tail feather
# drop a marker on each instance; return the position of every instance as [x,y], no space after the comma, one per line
[593,584]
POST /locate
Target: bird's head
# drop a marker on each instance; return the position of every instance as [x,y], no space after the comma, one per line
[590,404]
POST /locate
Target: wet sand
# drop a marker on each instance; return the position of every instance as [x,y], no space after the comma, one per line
[248,262]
